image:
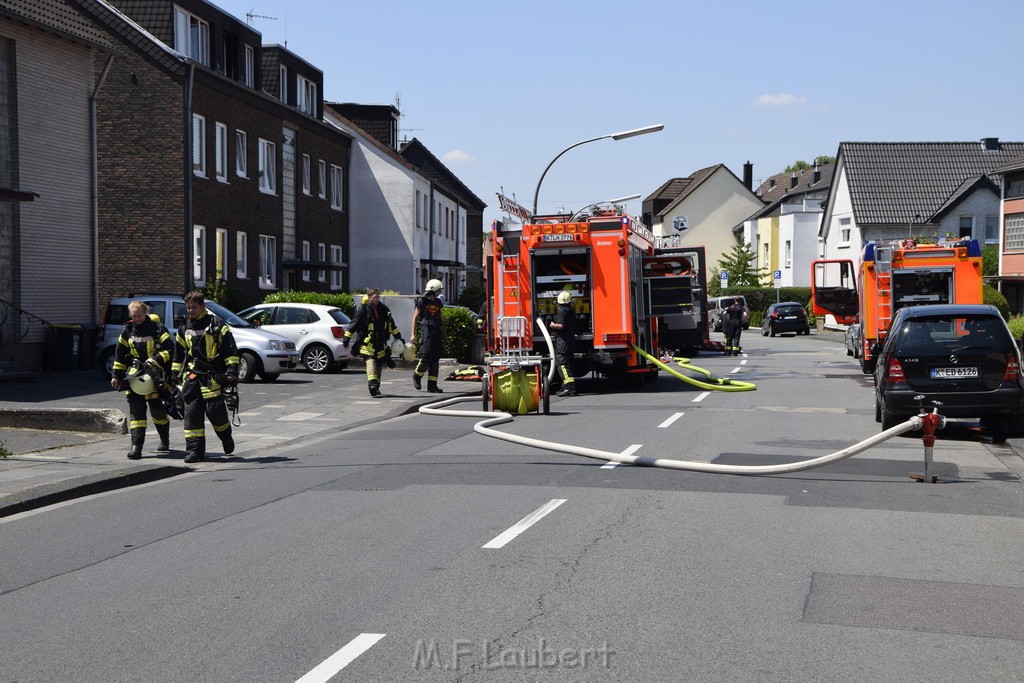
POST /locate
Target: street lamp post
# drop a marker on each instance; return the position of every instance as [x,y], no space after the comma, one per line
[614,136]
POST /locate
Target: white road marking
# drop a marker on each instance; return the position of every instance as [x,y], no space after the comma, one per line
[736,369]
[629,451]
[525,523]
[743,362]
[325,670]
[701,396]
[669,421]
[27,456]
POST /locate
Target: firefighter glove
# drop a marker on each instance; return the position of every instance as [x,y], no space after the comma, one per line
[231,379]
[346,341]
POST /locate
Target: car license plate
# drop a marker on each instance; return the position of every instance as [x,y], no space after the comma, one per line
[789,317]
[954,373]
[559,238]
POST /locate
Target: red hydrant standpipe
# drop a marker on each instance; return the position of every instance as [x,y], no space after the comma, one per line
[929,423]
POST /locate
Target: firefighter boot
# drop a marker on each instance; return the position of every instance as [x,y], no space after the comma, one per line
[433,388]
[164,431]
[374,387]
[138,438]
[227,441]
[195,449]
[417,380]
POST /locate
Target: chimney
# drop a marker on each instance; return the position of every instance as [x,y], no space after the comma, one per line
[793,180]
[748,175]
[816,176]
[990,144]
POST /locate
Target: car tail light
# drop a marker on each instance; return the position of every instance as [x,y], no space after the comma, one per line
[775,314]
[1012,372]
[896,372]
[338,332]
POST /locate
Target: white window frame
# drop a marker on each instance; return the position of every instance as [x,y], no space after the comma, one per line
[191,36]
[305,95]
[199,255]
[241,255]
[426,212]
[268,166]
[249,68]
[845,231]
[283,84]
[789,254]
[306,180]
[305,257]
[199,145]
[322,172]
[268,262]
[337,188]
[221,153]
[419,211]
[220,265]
[241,154]
[321,256]
[336,260]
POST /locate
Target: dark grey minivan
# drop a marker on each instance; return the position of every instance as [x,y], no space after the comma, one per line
[961,355]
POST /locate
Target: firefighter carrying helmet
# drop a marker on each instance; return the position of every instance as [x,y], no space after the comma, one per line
[434,285]
[397,347]
[142,383]
[564,297]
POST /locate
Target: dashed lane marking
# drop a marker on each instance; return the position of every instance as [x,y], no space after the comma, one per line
[525,523]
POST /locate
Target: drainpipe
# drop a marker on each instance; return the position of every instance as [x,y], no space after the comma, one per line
[93,151]
[430,244]
[189,256]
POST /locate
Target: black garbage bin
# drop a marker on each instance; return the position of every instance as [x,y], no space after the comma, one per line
[67,348]
[87,347]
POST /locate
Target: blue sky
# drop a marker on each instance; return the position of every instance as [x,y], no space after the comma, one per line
[496,90]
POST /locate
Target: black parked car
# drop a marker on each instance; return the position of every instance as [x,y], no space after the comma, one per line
[958,354]
[787,316]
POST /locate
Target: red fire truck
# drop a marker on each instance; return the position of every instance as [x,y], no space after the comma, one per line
[625,291]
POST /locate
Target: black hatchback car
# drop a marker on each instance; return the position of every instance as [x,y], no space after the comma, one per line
[962,356]
[787,316]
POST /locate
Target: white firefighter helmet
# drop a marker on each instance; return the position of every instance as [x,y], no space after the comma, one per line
[564,297]
[141,382]
[434,285]
[397,347]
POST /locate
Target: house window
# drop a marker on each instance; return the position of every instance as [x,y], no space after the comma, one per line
[249,74]
[323,179]
[199,145]
[199,255]
[321,256]
[283,84]
[305,95]
[241,156]
[766,254]
[221,155]
[268,166]
[844,232]
[1014,232]
[991,228]
[426,212]
[220,268]
[335,260]
[419,211]
[268,261]
[305,257]
[789,254]
[241,255]
[305,174]
[191,36]
[1014,189]
[967,226]
[336,187]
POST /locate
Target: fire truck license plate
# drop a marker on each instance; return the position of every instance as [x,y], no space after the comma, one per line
[559,238]
[954,373]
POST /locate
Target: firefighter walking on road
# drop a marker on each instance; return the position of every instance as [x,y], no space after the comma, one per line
[564,326]
[373,326]
[143,355]
[206,360]
[427,320]
[732,324]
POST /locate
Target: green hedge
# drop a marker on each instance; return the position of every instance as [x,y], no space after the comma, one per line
[460,332]
[342,300]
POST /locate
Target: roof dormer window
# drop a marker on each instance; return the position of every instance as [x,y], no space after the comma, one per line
[306,95]
[191,36]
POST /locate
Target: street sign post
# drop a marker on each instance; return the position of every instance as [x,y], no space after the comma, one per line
[778,285]
[724,278]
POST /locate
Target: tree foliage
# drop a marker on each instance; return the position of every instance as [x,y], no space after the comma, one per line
[802,165]
[739,263]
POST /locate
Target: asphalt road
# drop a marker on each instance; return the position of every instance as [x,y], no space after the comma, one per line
[417,549]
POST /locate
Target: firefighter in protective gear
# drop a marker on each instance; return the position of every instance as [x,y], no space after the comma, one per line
[205,355]
[564,327]
[429,323]
[144,346]
[732,325]
[373,326]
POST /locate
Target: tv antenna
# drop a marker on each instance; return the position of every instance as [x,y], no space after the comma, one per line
[249,16]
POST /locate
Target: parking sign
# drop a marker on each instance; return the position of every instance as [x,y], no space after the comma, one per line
[724,278]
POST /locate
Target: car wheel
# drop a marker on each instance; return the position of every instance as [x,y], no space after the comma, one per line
[270,376]
[888,419]
[998,427]
[771,331]
[764,332]
[317,358]
[1015,426]
[248,366]
[878,409]
[107,363]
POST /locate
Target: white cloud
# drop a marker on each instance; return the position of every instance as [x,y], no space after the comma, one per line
[456,156]
[782,99]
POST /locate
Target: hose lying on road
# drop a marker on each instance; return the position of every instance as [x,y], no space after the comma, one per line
[713,383]
[496,418]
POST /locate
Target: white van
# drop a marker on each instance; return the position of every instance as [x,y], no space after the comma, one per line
[718,304]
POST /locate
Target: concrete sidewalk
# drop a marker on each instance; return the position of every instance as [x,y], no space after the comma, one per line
[87,454]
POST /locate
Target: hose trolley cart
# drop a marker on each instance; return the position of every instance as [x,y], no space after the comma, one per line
[516,381]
